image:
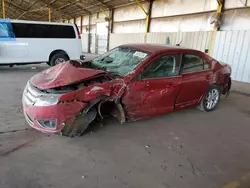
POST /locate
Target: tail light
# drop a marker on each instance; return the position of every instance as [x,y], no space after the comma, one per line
[78,32]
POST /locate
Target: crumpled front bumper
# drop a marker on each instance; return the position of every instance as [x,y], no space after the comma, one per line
[63,114]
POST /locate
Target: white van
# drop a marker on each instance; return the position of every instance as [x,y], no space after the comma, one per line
[24,42]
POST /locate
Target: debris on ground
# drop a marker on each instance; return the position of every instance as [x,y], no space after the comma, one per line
[164,167]
[147,146]
[180,146]
[83,177]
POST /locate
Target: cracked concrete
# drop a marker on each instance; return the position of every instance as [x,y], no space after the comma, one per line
[184,149]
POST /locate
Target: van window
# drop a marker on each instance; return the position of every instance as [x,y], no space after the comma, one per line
[6,30]
[26,30]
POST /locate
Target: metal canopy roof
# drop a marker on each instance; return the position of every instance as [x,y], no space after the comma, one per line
[60,9]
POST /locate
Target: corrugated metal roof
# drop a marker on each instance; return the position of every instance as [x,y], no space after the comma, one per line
[60,9]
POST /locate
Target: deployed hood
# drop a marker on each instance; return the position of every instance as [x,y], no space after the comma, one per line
[62,75]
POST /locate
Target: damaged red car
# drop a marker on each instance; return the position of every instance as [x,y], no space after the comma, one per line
[130,82]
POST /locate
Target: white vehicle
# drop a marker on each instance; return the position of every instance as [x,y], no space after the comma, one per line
[24,42]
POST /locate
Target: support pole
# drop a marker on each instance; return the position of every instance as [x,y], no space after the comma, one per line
[49,14]
[89,41]
[110,27]
[148,19]
[218,12]
[81,24]
[3,9]
[112,21]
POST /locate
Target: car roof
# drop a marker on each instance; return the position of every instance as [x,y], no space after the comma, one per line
[155,48]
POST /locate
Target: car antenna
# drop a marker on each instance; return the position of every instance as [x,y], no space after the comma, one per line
[179,42]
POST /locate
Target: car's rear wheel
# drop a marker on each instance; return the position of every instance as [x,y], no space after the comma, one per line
[58,58]
[211,99]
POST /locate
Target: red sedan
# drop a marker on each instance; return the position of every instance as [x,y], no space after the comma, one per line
[129,82]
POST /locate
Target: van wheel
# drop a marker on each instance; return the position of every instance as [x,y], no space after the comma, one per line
[211,99]
[57,59]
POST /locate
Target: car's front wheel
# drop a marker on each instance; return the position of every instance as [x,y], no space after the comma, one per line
[211,99]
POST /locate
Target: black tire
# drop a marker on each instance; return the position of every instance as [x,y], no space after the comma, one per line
[204,106]
[55,59]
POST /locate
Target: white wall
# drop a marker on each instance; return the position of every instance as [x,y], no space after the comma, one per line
[233,47]
[130,19]
[181,16]
[236,3]
[238,19]
[162,8]
[137,26]
[197,22]
[131,12]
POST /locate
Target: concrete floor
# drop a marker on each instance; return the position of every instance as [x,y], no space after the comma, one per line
[185,149]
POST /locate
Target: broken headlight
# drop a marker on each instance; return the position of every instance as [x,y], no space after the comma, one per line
[47,100]
[47,123]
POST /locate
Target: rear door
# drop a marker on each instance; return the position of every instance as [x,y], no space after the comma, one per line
[154,91]
[196,79]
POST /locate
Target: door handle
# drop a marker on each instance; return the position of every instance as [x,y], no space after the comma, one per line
[208,77]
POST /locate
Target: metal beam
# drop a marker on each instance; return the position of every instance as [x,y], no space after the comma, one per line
[96,4]
[54,9]
[72,3]
[142,8]
[15,5]
[105,13]
[34,2]
[146,13]
[18,6]
[105,4]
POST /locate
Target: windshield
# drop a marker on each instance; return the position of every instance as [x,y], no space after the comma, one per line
[120,61]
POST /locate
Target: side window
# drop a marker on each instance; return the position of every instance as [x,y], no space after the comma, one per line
[6,30]
[206,65]
[193,63]
[163,67]
[24,30]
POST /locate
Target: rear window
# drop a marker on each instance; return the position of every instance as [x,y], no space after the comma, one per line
[26,30]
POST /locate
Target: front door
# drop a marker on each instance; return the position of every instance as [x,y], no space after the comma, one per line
[196,79]
[155,89]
